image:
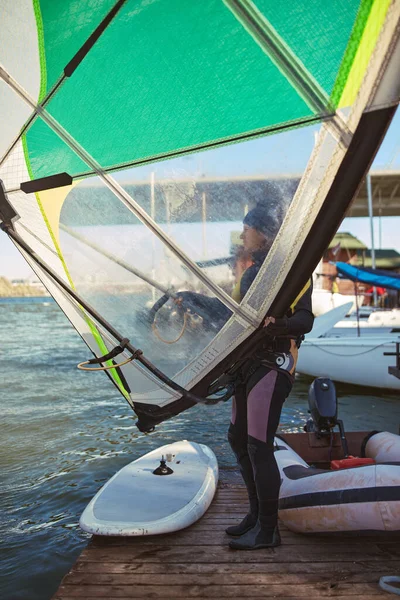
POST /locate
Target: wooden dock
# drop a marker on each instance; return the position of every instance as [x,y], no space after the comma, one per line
[197,563]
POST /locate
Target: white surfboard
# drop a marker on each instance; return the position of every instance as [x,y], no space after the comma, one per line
[137,502]
[328,320]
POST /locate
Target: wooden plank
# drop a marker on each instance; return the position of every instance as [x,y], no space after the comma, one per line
[211,554]
[232,489]
[236,490]
[217,537]
[221,518]
[220,524]
[232,506]
[346,597]
[167,578]
[212,524]
[344,570]
[237,487]
[232,501]
[232,509]
[221,591]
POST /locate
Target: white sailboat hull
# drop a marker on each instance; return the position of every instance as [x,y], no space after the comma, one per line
[380,322]
[358,361]
[350,329]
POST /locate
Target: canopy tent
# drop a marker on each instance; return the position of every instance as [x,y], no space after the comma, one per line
[385,196]
[374,277]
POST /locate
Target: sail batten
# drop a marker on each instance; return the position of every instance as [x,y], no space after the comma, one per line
[278,51]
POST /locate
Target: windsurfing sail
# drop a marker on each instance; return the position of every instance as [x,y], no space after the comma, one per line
[375,277]
[137,134]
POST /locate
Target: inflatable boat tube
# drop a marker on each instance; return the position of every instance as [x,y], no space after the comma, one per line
[383,447]
[358,499]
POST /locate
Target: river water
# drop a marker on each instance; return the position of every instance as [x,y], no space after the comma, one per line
[65,432]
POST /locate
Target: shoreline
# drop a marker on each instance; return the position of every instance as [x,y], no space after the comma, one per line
[21,290]
[34,297]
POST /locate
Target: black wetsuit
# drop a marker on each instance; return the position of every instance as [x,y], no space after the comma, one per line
[263,384]
[260,393]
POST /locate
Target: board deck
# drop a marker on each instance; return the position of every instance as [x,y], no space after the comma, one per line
[135,501]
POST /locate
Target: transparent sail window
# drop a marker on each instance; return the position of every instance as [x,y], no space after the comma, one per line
[204,200]
[120,267]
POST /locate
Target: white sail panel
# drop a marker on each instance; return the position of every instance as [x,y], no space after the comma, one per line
[13,169]
[19,56]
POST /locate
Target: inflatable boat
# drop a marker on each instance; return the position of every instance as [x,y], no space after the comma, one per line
[351,493]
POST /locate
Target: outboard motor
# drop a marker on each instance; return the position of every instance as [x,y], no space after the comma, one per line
[323,404]
[322,401]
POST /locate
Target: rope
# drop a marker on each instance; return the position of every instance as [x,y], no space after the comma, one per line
[113,366]
[339,354]
[385,582]
[154,328]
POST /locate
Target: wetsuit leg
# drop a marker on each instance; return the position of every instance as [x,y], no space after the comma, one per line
[264,405]
[238,440]
[266,392]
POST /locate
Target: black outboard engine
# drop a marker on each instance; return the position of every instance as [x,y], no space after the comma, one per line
[322,401]
[323,404]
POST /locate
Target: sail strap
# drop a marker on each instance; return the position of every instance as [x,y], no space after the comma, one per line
[112,354]
[300,295]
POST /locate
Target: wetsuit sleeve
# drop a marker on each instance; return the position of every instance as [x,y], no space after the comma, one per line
[247,279]
[298,323]
[302,319]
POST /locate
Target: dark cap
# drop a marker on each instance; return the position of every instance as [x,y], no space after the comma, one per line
[260,219]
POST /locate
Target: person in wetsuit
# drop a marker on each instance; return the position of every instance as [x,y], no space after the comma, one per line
[263,383]
[265,380]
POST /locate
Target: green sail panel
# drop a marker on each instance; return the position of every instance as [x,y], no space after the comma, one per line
[46,154]
[63,28]
[317,32]
[188,68]
[188,72]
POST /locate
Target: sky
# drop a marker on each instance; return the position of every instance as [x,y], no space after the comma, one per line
[284,153]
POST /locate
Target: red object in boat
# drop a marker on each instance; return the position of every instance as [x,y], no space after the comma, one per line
[351,461]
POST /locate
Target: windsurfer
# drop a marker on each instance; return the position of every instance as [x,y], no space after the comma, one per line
[264,382]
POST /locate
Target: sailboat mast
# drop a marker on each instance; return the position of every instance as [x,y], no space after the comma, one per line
[153,239]
[371,224]
[204,221]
